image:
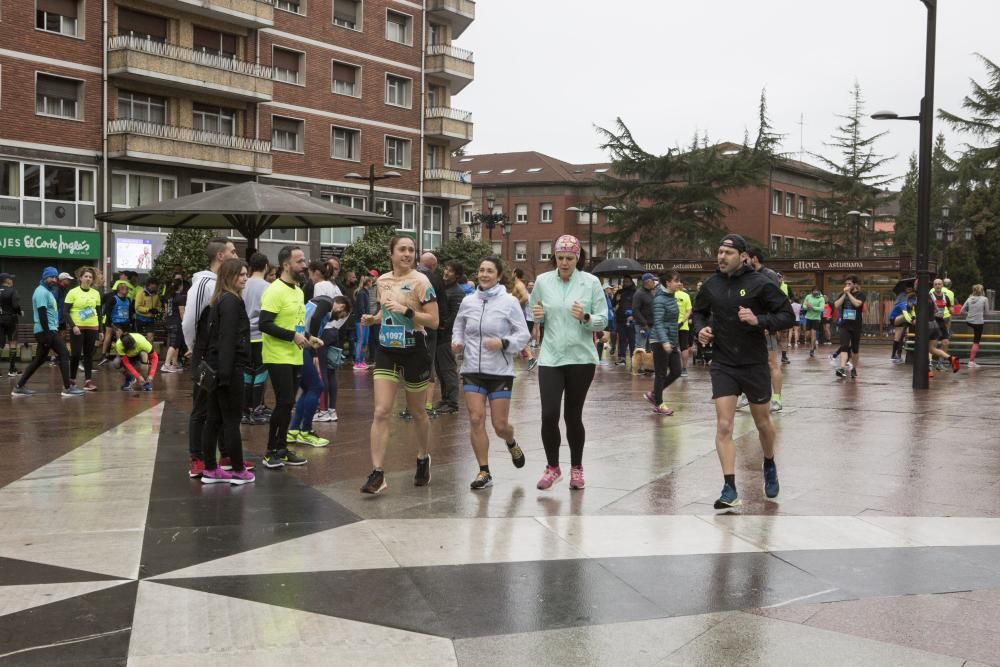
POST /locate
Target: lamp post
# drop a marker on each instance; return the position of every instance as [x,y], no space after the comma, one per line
[921,347]
[945,232]
[590,209]
[492,219]
[860,220]
[372,178]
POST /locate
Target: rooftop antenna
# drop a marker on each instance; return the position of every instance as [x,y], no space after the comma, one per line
[802,124]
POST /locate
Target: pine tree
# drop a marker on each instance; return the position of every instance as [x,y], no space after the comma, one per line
[944,192]
[184,249]
[904,239]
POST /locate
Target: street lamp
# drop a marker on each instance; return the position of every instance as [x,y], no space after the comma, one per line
[945,232]
[590,209]
[860,220]
[921,366]
[492,219]
[372,178]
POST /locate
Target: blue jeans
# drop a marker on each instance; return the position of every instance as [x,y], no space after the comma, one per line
[312,387]
[360,343]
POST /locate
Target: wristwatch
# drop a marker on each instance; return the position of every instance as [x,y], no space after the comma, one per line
[586,318]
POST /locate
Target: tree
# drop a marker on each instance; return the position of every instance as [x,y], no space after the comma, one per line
[469,252]
[943,184]
[857,180]
[369,252]
[904,236]
[962,269]
[184,249]
[672,203]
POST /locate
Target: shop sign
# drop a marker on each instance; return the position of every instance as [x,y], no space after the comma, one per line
[34,242]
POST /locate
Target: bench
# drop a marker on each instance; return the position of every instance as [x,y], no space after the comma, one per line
[959,343]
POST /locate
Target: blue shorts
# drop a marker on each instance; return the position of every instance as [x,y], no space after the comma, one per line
[493,387]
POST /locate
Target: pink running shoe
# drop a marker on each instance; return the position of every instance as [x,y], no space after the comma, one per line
[663,409]
[216,476]
[576,478]
[549,477]
[649,397]
[241,477]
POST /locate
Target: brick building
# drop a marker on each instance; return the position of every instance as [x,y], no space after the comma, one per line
[163,98]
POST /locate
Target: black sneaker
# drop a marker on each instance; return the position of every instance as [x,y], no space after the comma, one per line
[375,484]
[272,460]
[405,414]
[771,487]
[445,409]
[516,455]
[482,480]
[812,354]
[854,373]
[841,372]
[785,359]
[423,474]
[290,458]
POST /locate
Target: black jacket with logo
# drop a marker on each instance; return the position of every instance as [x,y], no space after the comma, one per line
[717,306]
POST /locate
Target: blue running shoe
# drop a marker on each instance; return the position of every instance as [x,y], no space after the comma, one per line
[771,481]
[728,499]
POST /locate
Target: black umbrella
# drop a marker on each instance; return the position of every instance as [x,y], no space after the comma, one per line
[618,267]
[903,285]
[251,208]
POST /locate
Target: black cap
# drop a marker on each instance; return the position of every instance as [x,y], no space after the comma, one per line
[6,276]
[734,241]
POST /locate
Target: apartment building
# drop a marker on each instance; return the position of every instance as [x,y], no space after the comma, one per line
[120,103]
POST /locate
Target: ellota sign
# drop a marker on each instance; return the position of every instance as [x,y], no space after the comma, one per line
[21,242]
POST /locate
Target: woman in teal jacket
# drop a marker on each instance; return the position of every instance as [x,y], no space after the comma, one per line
[571,306]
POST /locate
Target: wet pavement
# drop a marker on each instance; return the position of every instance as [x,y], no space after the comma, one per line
[883,546]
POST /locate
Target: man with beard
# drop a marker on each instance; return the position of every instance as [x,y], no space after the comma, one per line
[447,369]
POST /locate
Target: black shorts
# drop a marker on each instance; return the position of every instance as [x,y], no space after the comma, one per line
[754,381]
[411,365]
[850,339]
[491,386]
[814,325]
[977,332]
[684,339]
[432,337]
[175,335]
[126,327]
[8,331]
[144,328]
[944,329]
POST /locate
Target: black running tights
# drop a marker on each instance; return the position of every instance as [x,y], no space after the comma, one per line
[82,347]
[668,369]
[574,381]
[285,382]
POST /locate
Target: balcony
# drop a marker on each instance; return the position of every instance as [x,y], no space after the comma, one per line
[458,13]
[247,13]
[145,60]
[451,63]
[451,125]
[167,144]
[447,184]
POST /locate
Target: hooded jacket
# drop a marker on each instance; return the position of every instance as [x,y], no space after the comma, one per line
[486,314]
[666,312]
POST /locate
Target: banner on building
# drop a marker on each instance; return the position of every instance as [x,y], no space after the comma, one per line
[21,242]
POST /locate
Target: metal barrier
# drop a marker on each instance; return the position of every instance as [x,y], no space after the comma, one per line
[229,64]
[147,129]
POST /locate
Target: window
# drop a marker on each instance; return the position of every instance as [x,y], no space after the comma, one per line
[612,252]
[398,27]
[434,157]
[521,214]
[346,79]
[789,204]
[775,244]
[789,246]
[347,14]
[288,65]
[217,120]
[520,251]
[397,152]
[139,106]
[776,202]
[405,212]
[467,213]
[497,247]
[129,190]
[142,26]
[215,42]
[546,216]
[286,134]
[197,187]
[433,226]
[57,16]
[343,236]
[545,250]
[57,96]
[813,209]
[802,207]
[585,217]
[51,195]
[436,34]
[345,144]
[397,90]
[294,6]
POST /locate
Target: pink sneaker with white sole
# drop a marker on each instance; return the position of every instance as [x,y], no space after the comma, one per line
[576,478]
[549,477]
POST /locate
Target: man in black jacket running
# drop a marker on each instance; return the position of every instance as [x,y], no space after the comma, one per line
[733,308]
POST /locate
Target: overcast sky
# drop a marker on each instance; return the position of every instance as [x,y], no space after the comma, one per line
[547,71]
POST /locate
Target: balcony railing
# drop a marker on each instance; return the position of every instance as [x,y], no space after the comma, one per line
[447,175]
[448,112]
[174,52]
[448,50]
[188,134]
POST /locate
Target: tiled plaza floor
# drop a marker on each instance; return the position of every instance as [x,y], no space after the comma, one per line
[882,548]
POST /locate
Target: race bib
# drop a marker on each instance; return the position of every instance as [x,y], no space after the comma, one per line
[300,329]
[850,314]
[939,313]
[392,336]
[87,313]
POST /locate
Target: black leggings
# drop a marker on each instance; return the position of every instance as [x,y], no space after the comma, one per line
[667,367]
[48,342]
[977,333]
[285,382]
[82,346]
[331,338]
[553,381]
[225,406]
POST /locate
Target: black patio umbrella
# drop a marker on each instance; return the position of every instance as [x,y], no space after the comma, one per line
[903,285]
[251,208]
[617,267]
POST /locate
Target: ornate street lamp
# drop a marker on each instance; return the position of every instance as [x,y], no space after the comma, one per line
[590,209]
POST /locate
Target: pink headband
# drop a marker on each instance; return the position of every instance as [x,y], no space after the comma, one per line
[567,243]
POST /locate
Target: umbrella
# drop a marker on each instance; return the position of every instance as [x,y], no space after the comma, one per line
[617,267]
[251,208]
[903,285]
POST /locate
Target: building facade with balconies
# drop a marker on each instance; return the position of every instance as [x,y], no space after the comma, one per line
[163,98]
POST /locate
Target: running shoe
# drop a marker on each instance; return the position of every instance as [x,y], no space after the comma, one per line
[90,385]
[147,386]
[405,414]
[729,498]
[650,398]
[742,402]
[332,414]
[854,373]
[770,480]
[812,354]
[482,480]
[13,373]
[167,369]
[195,467]
[532,363]
[263,411]
[423,474]
[663,409]
[684,372]
[286,457]
[549,477]
[249,420]
[73,391]
[785,359]
[310,438]
[833,359]
[375,484]
[576,478]
[516,455]
[775,406]
[273,460]
[361,367]
[242,477]
[973,364]
[105,359]
[216,476]
[446,409]
[897,360]
[841,372]
[321,416]
[127,385]
[292,436]
[21,391]
[226,464]
[955,364]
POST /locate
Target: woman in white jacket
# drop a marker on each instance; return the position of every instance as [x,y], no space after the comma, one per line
[490,331]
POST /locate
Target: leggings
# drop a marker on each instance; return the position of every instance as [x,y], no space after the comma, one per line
[330,337]
[977,333]
[225,406]
[312,387]
[667,367]
[51,341]
[254,378]
[573,380]
[82,347]
[285,382]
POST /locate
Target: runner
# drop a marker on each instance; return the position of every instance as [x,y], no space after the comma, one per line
[570,304]
[942,313]
[282,324]
[783,336]
[176,300]
[899,331]
[851,305]
[255,377]
[447,370]
[408,309]
[147,307]
[795,331]
[10,314]
[755,258]
[909,318]
[83,306]
[521,293]
[732,310]
[428,266]
[135,354]
[975,308]
[684,324]
[814,304]
[489,330]
[665,339]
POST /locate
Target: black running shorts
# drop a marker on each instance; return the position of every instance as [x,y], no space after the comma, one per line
[684,339]
[814,325]
[411,365]
[850,339]
[8,331]
[491,386]
[754,381]
[944,326]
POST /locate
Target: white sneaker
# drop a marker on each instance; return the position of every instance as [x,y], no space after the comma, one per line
[167,368]
[332,415]
[743,402]
[973,364]
[321,416]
